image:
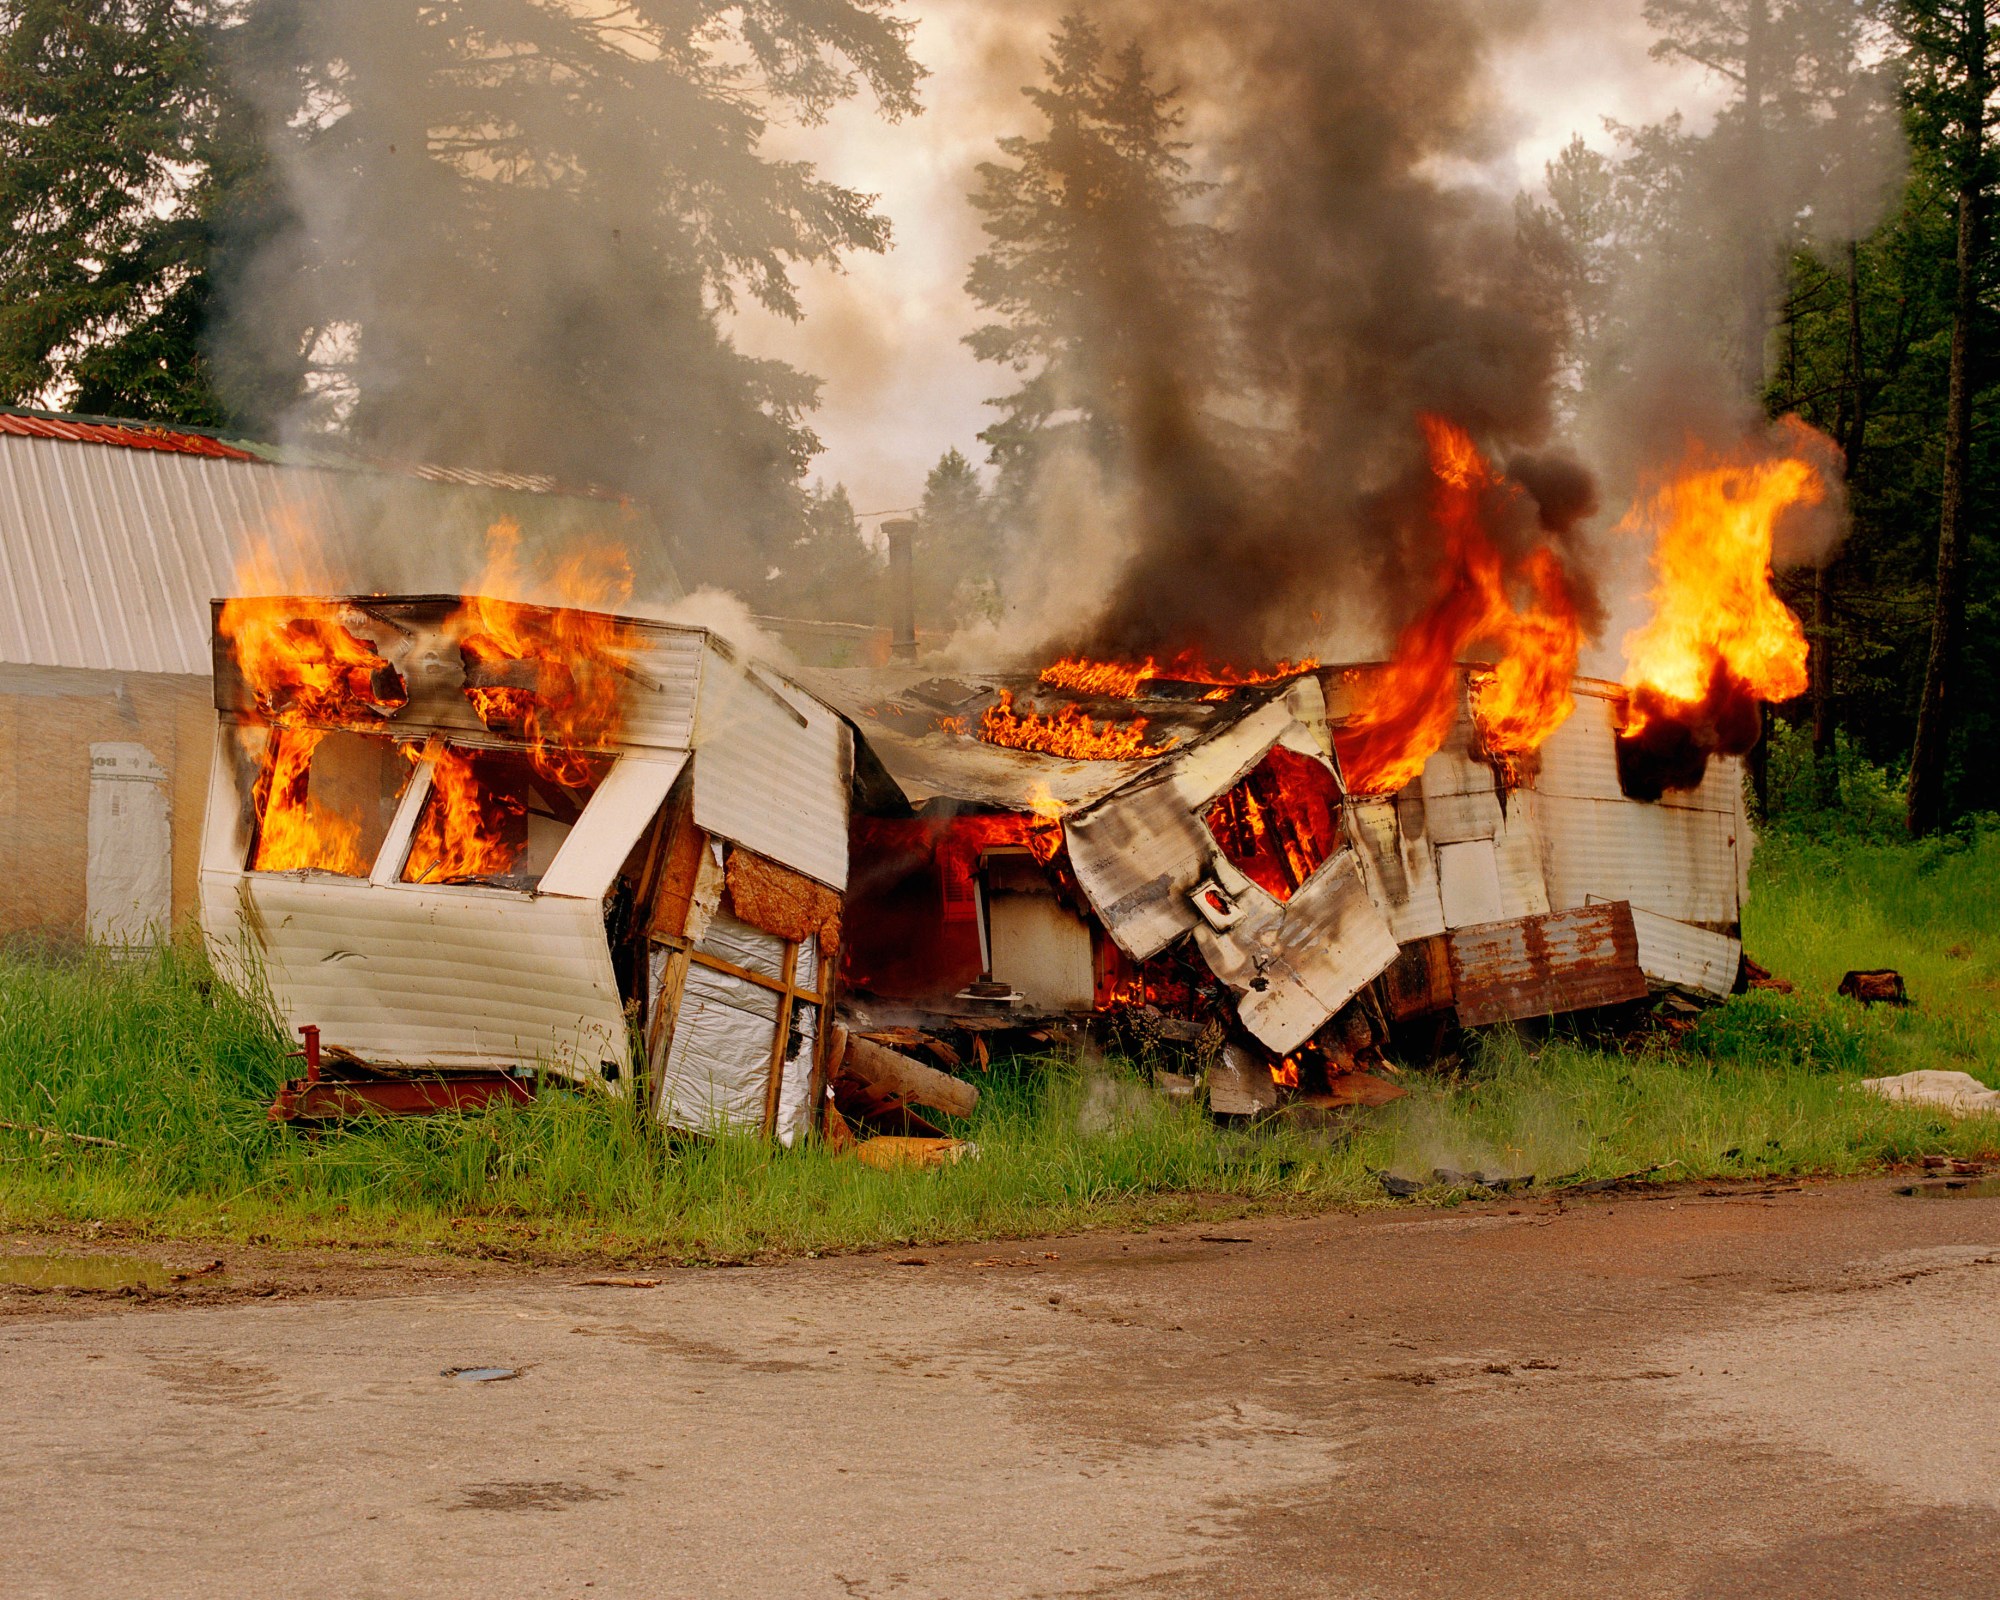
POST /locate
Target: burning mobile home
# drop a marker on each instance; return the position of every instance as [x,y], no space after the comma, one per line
[464,836]
[1186,846]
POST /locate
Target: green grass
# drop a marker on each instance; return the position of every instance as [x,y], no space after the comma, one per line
[177,1069]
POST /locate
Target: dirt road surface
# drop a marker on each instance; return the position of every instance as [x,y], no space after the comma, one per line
[1743,1394]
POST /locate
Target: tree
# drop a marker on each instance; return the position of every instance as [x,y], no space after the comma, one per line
[1090,255]
[519,228]
[827,573]
[956,553]
[118,150]
[1951,51]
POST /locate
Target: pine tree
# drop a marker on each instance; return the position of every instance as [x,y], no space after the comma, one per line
[115,158]
[956,552]
[827,573]
[1090,253]
[521,227]
[1952,51]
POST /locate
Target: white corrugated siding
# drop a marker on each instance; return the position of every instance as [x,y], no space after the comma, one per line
[109,556]
[764,781]
[414,977]
[1692,958]
[1673,861]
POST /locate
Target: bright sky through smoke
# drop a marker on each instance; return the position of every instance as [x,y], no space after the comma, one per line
[900,387]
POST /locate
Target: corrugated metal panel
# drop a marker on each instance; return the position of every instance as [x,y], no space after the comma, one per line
[427,977]
[629,798]
[772,768]
[1691,958]
[1137,856]
[1580,759]
[1539,966]
[127,435]
[659,712]
[1294,966]
[109,557]
[1397,863]
[1673,861]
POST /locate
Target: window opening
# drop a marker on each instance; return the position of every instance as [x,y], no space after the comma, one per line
[493,817]
[323,800]
[1281,824]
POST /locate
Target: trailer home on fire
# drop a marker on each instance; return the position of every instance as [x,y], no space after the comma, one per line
[462,836]
[114,537]
[456,835]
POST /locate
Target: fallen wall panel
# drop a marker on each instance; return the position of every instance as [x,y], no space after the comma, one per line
[1541,966]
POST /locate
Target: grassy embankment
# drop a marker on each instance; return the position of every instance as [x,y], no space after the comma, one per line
[177,1071]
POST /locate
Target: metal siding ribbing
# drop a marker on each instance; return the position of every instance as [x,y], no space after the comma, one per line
[764,781]
[109,556]
[1675,862]
[428,977]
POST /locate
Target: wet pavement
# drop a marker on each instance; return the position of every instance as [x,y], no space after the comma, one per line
[1708,1392]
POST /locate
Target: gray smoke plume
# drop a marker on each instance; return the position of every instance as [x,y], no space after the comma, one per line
[1374,272]
[505,236]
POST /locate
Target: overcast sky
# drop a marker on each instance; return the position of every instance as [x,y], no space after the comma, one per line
[885,334]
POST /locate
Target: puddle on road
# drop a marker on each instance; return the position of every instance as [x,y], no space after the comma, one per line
[1956,1189]
[82,1272]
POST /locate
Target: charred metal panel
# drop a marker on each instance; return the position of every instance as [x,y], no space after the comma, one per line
[1685,957]
[1397,862]
[1539,966]
[1580,760]
[1460,801]
[1418,982]
[1138,856]
[1294,965]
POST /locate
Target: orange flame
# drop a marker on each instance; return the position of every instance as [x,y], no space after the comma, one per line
[1045,833]
[1281,823]
[1285,1074]
[1410,704]
[551,677]
[1069,732]
[1120,680]
[305,670]
[1719,639]
[295,832]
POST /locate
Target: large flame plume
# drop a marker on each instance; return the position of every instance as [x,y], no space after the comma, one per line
[1407,707]
[1719,640]
[306,671]
[553,677]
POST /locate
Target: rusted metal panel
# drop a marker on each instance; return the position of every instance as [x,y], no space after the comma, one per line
[1540,966]
[1418,981]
